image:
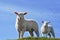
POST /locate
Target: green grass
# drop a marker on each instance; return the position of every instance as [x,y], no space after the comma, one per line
[31,38]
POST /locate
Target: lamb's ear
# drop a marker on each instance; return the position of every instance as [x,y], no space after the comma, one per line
[16,13]
[25,13]
[42,21]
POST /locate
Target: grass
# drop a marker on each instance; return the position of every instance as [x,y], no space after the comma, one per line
[31,38]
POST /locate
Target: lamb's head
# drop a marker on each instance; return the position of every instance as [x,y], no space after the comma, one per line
[45,23]
[20,15]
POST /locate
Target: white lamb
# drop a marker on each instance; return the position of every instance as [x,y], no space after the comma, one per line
[47,29]
[23,25]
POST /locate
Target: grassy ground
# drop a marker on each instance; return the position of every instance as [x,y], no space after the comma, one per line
[30,38]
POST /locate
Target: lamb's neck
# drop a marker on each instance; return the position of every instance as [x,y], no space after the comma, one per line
[22,20]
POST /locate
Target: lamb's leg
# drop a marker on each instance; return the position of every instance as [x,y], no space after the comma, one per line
[37,33]
[52,32]
[22,33]
[42,35]
[49,35]
[19,34]
[46,35]
[31,33]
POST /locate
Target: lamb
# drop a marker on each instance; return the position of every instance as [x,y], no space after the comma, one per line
[47,29]
[23,25]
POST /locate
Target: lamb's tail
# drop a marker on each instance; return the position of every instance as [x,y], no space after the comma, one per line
[52,32]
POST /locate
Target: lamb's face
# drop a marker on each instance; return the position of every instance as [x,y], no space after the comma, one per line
[20,15]
[45,23]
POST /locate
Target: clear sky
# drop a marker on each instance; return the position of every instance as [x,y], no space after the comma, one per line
[48,10]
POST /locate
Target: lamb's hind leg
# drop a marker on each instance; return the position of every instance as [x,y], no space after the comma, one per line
[52,32]
[31,33]
[37,33]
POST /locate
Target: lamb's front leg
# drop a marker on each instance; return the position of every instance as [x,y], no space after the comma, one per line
[22,33]
[42,35]
[19,34]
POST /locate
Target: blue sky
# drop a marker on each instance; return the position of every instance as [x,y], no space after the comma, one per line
[48,10]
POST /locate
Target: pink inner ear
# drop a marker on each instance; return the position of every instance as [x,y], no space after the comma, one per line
[15,12]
